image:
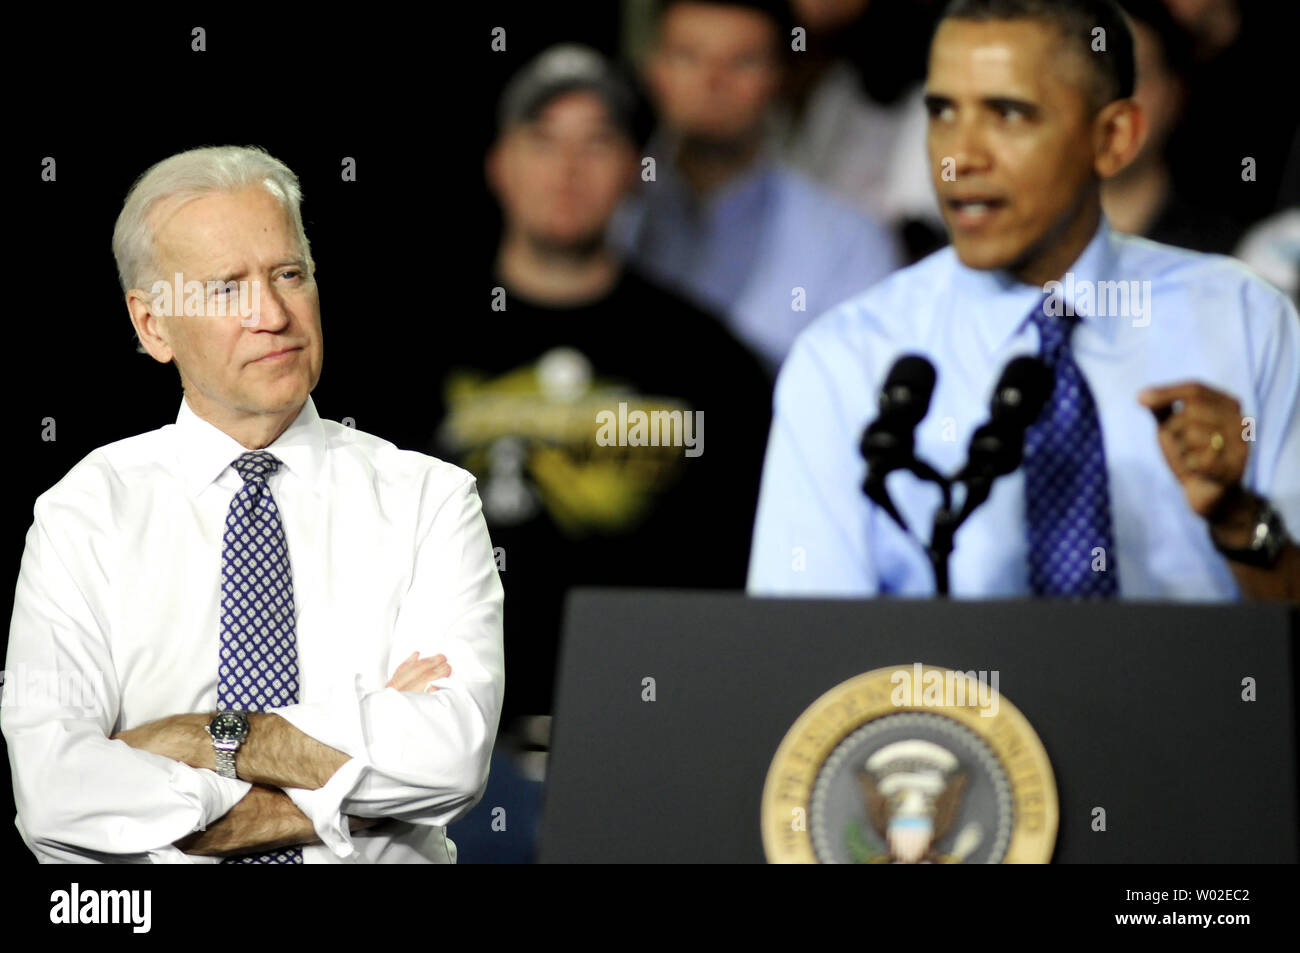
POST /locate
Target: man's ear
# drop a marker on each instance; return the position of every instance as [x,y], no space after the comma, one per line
[650,71]
[634,168]
[492,168]
[146,324]
[1119,130]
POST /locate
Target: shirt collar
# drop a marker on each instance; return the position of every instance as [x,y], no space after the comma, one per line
[1001,305]
[205,451]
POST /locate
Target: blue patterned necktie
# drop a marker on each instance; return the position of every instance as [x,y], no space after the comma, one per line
[258,668]
[1067,496]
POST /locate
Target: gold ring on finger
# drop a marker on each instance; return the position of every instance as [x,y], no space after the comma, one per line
[1216,441]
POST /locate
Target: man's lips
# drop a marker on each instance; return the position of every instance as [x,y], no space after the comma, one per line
[972,210]
[276,355]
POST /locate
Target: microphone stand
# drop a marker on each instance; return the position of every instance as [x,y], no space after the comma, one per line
[995,450]
[947,520]
[940,548]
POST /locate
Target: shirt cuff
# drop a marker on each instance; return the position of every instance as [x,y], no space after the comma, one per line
[172,854]
[324,806]
[336,723]
[216,795]
[213,795]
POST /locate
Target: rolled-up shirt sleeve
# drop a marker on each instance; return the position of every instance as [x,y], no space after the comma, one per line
[1273,466]
[421,757]
[80,796]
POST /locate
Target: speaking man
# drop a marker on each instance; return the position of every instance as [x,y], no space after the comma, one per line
[253,635]
[1166,462]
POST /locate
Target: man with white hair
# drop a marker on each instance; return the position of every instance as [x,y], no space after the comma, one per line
[252,635]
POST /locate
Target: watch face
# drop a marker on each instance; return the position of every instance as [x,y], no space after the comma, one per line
[227,726]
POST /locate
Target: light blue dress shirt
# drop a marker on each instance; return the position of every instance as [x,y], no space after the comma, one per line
[1207,318]
[744,250]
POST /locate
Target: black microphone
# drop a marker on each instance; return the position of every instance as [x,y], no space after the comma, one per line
[997,447]
[889,441]
[1022,391]
[904,401]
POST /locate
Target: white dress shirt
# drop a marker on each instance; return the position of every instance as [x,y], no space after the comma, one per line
[116,623]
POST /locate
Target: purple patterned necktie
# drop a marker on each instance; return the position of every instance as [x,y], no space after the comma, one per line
[258,668]
[1067,497]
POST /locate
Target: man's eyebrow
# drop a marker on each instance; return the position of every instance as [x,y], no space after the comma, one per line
[1010,102]
[936,100]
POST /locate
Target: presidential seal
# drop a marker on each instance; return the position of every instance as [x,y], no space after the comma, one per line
[910,764]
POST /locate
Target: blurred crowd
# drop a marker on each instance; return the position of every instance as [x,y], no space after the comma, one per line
[680,190]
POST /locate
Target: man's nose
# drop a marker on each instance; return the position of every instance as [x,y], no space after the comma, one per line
[268,310]
[970,152]
[713,76]
[572,162]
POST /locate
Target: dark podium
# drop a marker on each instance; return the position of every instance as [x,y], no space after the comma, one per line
[1139,706]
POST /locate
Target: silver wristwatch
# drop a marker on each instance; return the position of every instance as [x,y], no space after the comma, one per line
[228,730]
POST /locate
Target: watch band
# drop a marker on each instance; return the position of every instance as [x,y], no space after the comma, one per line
[225,762]
[1268,539]
[228,729]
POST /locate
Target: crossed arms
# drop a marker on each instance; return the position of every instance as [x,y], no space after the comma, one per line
[275,755]
[88,655]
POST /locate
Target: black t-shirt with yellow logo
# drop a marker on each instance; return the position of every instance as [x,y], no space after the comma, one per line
[619,443]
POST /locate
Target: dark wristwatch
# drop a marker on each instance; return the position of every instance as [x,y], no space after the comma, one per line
[228,730]
[1268,539]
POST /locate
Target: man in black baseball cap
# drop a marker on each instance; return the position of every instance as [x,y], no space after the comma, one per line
[557,334]
[566,68]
